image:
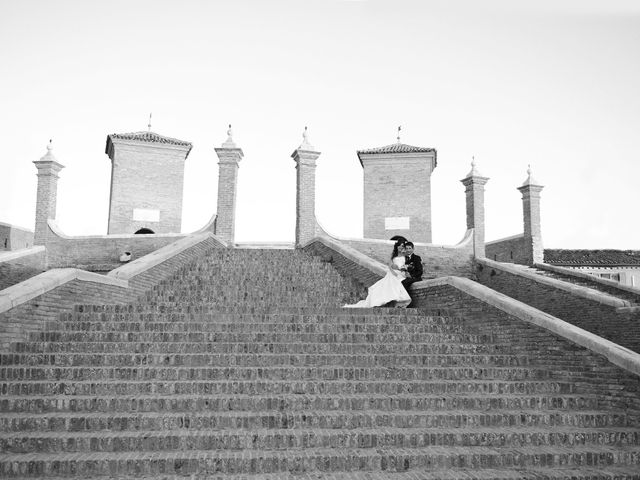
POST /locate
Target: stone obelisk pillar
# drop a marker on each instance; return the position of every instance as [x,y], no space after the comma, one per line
[229,156]
[305,157]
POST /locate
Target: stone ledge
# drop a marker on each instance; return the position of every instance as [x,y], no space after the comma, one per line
[586,276]
[584,292]
[24,252]
[620,356]
[140,265]
[44,282]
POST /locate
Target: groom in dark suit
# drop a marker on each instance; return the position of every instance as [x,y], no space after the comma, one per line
[413,265]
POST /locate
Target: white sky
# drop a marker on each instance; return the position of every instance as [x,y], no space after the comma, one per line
[552,83]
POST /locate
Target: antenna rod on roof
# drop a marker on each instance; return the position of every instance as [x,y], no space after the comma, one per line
[149,122]
[399,128]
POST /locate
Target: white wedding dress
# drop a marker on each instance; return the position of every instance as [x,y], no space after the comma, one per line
[387,289]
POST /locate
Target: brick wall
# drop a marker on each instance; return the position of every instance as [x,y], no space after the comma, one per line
[438,261]
[38,313]
[100,252]
[15,269]
[509,249]
[398,186]
[146,176]
[588,314]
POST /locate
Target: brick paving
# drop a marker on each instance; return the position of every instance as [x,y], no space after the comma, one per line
[244,366]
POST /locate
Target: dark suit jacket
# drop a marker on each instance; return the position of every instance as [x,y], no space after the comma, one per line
[414,267]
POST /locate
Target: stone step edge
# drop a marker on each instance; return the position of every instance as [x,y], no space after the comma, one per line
[466,412]
[450,451]
[610,472]
[374,396]
[327,432]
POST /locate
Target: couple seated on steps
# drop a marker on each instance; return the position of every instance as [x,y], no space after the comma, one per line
[404,268]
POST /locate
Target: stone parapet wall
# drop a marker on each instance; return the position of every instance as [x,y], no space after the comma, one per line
[592,311]
[14,238]
[438,260]
[603,284]
[100,252]
[346,260]
[121,286]
[17,266]
[510,249]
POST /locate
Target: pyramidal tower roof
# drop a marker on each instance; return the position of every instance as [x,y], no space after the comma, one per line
[146,137]
[397,148]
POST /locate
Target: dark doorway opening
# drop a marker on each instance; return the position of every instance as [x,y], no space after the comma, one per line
[144,231]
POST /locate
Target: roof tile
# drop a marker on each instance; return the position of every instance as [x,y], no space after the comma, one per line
[396,148]
[592,257]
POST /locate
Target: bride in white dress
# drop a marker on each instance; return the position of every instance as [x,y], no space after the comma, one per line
[389,288]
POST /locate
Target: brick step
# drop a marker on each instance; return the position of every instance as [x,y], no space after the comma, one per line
[313,460]
[246,327]
[609,472]
[256,360]
[256,328]
[278,439]
[254,280]
[98,321]
[273,347]
[161,307]
[349,316]
[233,292]
[256,337]
[331,419]
[270,372]
[239,402]
[274,387]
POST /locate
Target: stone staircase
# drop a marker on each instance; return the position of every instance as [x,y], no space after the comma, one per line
[244,366]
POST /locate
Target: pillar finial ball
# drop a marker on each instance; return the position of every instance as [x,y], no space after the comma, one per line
[229,143]
[474,171]
[530,180]
[50,145]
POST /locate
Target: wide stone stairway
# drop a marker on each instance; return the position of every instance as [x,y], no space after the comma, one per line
[243,365]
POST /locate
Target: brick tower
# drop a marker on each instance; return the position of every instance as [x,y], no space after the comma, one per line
[305,157]
[147,178]
[48,169]
[530,189]
[229,155]
[397,191]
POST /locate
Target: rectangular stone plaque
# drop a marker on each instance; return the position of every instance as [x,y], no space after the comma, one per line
[396,223]
[146,215]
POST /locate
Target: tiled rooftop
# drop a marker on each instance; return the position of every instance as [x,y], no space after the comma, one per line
[149,137]
[592,257]
[396,148]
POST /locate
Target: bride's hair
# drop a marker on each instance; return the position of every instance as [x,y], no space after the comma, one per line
[394,254]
